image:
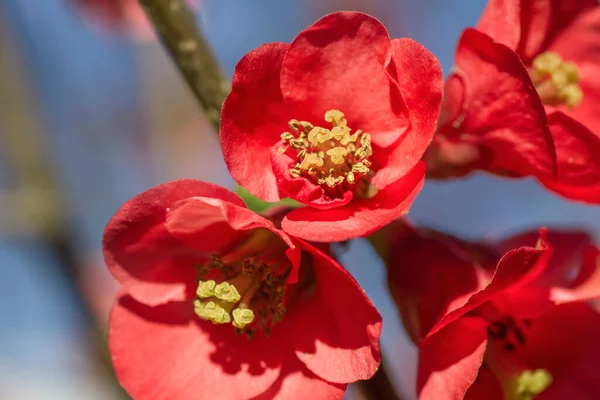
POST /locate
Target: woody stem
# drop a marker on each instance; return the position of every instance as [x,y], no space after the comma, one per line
[379,386]
[177,30]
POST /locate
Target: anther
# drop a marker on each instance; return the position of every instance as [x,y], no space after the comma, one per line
[556,81]
[242,317]
[206,289]
[226,292]
[337,155]
[529,384]
[329,157]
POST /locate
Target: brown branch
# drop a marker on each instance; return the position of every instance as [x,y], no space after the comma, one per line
[177,29]
[379,387]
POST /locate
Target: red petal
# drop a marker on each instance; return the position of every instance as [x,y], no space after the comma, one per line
[340,63]
[208,225]
[253,118]
[529,26]
[148,262]
[301,189]
[568,248]
[337,334]
[516,268]
[450,360]
[420,80]
[585,31]
[504,114]
[572,275]
[586,284]
[486,386]
[297,383]
[166,352]
[429,276]
[565,341]
[578,157]
[359,217]
[501,20]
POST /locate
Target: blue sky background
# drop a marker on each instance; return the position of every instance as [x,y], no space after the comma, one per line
[90,97]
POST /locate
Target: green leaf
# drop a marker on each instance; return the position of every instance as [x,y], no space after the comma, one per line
[257,205]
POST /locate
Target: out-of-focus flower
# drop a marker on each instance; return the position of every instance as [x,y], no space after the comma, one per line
[500,325]
[518,65]
[120,15]
[218,303]
[358,169]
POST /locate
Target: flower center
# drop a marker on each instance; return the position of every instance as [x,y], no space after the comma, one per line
[556,81]
[333,158]
[506,336]
[528,384]
[244,288]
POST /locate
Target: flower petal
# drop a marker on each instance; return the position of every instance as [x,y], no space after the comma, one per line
[302,189]
[359,217]
[578,157]
[516,268]
[149,263]
[339,63]
[419,77]
[166,352]
[486,386]
[565,342]
[585,30]
[429,276]
[501,20]
[253,118]
[449,361]
[504,114]
[208,224]
[297,383]
[338,329]
[529,26]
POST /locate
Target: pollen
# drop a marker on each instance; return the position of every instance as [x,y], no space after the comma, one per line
[244,292]
[242,317]
[529,384]
[556,80]
[331,157]
[227,292]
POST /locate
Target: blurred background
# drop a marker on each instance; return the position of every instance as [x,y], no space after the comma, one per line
[93,112]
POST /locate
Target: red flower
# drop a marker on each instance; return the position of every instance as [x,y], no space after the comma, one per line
[520,64]
[511,328]
[192,261]
[346,70]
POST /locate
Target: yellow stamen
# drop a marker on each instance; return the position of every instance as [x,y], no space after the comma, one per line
[226,292]
[347,152]
[337,155]
[211,311]
[336,118]
[242,317]
[206,289]
[556,81]
[311,159]
[529,384]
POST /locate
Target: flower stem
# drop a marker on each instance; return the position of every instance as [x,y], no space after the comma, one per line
[177,29]
[379,387]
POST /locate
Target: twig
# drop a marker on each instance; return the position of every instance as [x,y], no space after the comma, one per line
[379,387]
[177,29]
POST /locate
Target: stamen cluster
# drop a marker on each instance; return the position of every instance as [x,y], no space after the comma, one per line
[246,288]
[329,157]
[556,81]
